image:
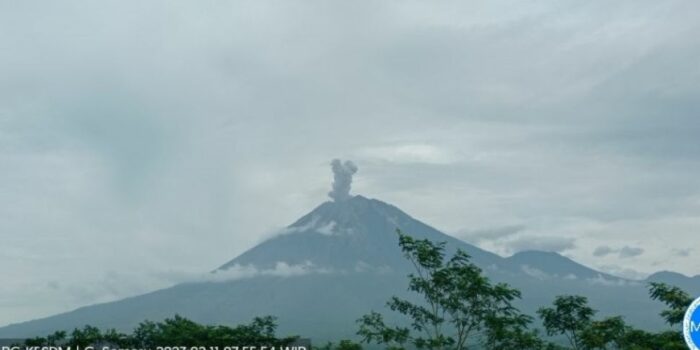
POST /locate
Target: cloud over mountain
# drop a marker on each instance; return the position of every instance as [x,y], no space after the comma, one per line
[623,252]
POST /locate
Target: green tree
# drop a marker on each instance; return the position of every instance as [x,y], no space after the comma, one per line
[144,336]
[344,344]
[183,332]
[604,334]
[636,339]
[458,302]
[675,298]
[176,331]
[570,316]
[116,338]
[510,331]
[52,340]
[677,302]
[87,336]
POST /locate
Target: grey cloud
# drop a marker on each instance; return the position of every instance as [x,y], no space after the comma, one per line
[603,251]
[624,252]
[623,272]
[682,252]
[630,252]
[559,116]
[548,244]
[493,234]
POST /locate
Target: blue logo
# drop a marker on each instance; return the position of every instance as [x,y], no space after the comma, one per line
[691,325]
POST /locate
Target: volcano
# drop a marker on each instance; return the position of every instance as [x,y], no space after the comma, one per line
[338,262]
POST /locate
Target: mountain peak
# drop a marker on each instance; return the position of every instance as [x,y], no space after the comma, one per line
[349,251]
[346,212]
[553,264]
[669,276]
[339,235]
[665,273]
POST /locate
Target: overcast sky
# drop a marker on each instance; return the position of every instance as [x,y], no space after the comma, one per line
[143,142]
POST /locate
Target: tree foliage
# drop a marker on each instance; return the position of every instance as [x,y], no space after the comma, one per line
[570,316]
[676,299]
[607,333]
[459,308]
[344,344]
[511,331]
[459,305]
[176,331]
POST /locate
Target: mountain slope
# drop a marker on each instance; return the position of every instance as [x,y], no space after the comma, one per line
[341,235]
[689,284]
[552,265]
[336,263]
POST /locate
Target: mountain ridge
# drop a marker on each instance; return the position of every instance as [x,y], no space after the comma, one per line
[332,227]
[348,263]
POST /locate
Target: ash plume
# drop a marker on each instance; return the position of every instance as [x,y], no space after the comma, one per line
[342,179]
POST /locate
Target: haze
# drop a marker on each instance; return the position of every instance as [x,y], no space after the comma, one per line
[143,143]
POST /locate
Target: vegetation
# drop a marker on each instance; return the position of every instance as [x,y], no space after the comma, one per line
[177,331]
[459,305]
[344,344]
[459,308]
[570,316]
[676,299]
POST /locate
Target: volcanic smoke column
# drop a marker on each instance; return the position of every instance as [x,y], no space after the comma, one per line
[342,179]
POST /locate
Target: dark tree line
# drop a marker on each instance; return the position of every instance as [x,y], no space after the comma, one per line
[176,331]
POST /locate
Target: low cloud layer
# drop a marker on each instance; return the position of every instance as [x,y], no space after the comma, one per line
[624,252]
[547,244]
[236,272]
[494,234]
